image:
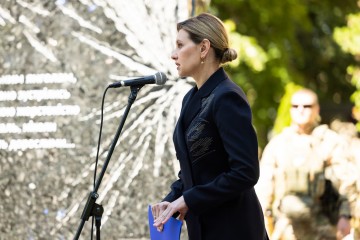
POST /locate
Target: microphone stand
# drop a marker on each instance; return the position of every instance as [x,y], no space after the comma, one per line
[91,207]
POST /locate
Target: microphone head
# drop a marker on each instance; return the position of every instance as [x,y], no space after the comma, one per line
[160,78]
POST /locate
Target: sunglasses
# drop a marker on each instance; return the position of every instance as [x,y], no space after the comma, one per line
[304,106]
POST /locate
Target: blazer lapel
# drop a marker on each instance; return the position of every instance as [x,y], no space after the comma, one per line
[180,144]
[194,103]
[191,106]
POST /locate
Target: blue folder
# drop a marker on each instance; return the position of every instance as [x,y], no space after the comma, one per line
[171,230]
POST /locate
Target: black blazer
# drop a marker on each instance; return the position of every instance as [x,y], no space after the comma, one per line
[217,148]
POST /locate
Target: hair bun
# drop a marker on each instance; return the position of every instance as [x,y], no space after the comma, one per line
[229,55]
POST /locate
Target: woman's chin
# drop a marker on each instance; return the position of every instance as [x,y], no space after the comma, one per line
[181,75]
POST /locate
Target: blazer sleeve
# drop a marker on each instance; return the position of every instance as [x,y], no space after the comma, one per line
[232,117]
[176,190]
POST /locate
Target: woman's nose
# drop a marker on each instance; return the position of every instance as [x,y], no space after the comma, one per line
[173,55]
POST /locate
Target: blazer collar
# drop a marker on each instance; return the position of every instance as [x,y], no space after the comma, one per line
[212,82]
[193,105]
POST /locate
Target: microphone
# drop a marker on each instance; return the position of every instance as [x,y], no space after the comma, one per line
[158,78]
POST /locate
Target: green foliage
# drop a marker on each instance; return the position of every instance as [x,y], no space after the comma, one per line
[354,72]
[349,37]
[349,40]
[355,97]
[249,51]
[283,44]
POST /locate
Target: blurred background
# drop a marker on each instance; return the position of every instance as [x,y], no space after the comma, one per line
[58,57]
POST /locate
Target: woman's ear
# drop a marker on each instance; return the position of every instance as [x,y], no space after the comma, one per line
[205,46]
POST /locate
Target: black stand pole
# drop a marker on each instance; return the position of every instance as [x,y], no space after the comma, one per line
[91,208]
[97,212]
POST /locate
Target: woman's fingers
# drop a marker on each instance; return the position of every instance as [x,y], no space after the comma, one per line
[163,217]
[159,212]
[181,217]
[163,211]
[158,208]
[160,228]
[154,211]
[166,210]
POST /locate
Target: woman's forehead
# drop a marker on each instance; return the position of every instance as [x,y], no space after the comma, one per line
[183,34]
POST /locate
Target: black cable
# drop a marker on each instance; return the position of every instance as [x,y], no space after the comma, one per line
[97,153]
[99,140]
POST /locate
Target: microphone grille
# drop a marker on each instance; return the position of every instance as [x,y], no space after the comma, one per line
[160,78]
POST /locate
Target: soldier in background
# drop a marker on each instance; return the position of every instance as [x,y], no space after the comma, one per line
[353,188]
[300,177]
[355,158]
[350,183]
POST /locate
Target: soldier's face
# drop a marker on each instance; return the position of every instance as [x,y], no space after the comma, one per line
[304,109]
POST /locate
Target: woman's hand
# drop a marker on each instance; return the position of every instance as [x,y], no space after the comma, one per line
[163,211]
[157,209]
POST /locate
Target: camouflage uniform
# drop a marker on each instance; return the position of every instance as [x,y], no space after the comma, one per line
[294,169]
[351,184]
